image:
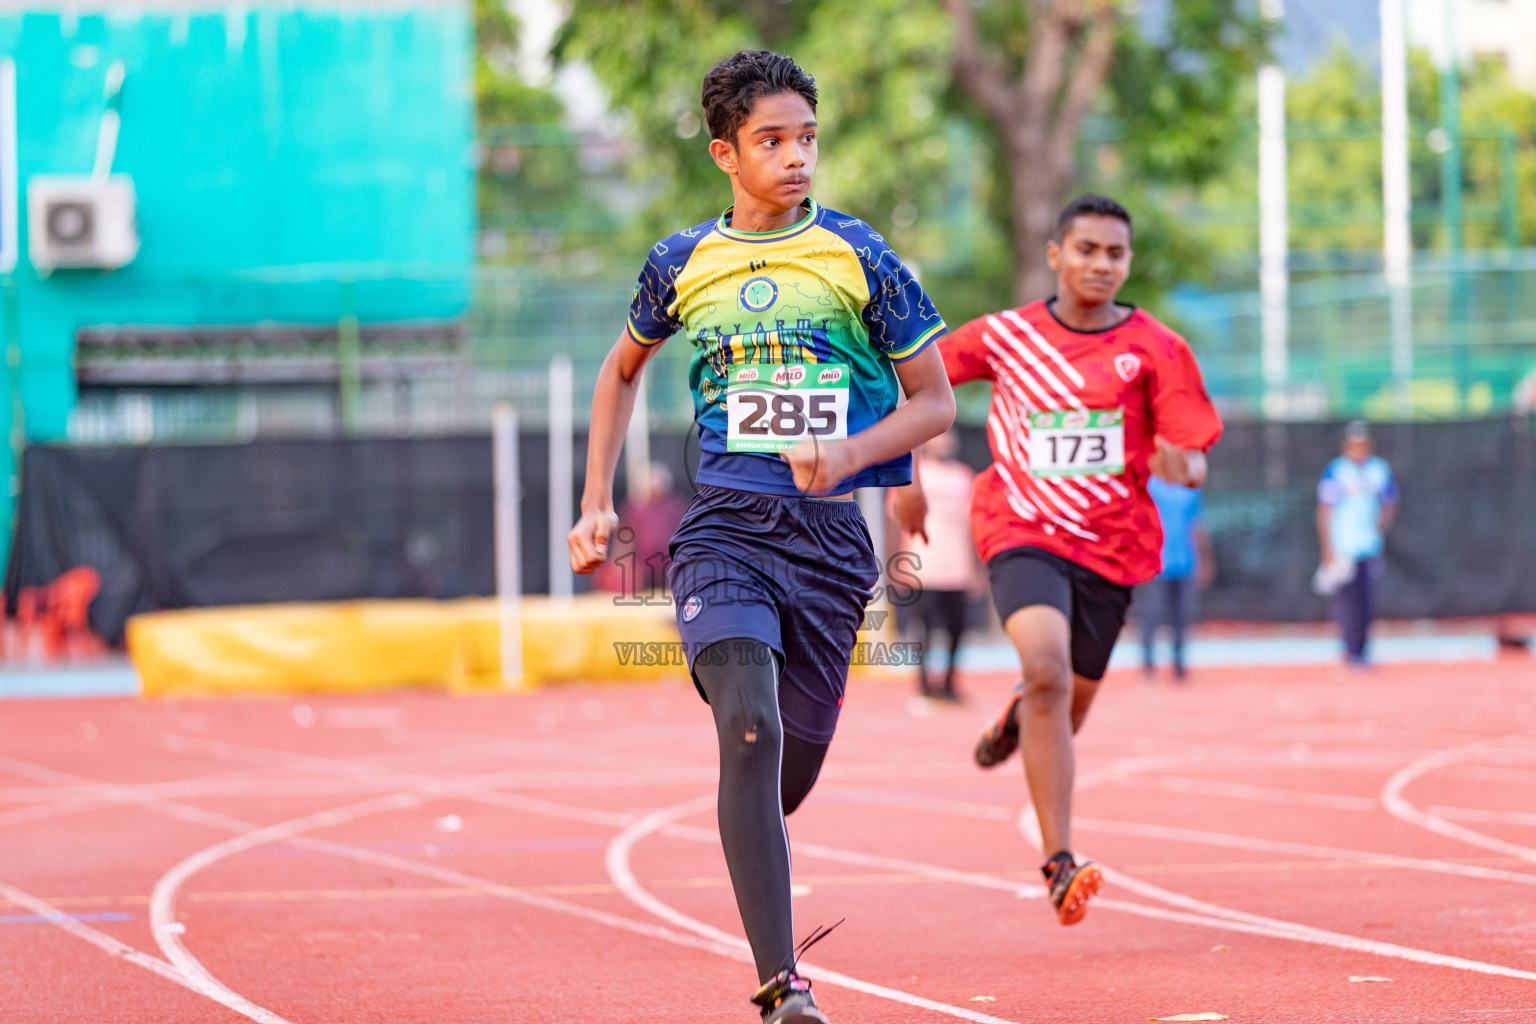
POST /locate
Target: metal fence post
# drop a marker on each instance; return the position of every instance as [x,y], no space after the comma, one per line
[349,376]
[509,575]
[561,475]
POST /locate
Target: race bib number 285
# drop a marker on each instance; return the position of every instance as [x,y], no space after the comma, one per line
[1077,443]
[772,408]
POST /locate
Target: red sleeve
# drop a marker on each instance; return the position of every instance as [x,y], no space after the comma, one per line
[1181,410]
[965,354]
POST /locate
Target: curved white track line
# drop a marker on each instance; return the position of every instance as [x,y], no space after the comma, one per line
[1399,807]
[1216,916]
[617,860]
[248,839]
[162,901]
[291,833]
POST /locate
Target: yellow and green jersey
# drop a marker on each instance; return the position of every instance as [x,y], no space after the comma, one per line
[794,332]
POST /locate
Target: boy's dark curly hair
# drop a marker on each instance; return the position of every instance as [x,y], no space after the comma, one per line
[737,82]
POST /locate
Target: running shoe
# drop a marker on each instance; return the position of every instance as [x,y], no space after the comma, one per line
[1001,739]
[787,999]
[1071,886]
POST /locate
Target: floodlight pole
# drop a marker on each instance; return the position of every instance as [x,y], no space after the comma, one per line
[1450,201]
[1397,242]
[561,473]
[509,575]
[1450,124]
[1274,231]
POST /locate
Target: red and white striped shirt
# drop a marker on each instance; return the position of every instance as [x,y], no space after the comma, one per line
[1094,401]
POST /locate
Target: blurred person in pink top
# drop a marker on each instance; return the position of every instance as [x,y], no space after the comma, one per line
[946,565]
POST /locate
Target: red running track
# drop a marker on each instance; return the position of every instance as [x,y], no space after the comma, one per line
[1269,834]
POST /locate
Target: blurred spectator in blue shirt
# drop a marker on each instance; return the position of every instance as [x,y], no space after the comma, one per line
[1356,500]
[1188,566]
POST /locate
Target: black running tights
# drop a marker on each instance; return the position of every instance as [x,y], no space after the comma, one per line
[764,775]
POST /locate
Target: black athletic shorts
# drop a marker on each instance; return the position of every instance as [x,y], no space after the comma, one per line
[792,572]
[1092,604]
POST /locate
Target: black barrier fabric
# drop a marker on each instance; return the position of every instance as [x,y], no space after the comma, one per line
[1464,540]
[279,520]
[296,520]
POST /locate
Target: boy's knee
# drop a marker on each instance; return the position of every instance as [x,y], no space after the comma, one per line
[748,728]
[1047,678]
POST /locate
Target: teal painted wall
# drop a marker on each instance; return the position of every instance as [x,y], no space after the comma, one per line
[278,153]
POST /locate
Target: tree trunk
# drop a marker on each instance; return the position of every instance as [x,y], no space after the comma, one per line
[1038,114]
[1036,195]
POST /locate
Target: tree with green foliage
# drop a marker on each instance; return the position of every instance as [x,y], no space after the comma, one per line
[1333,113]
[918,112]
[501,95]
[531,185]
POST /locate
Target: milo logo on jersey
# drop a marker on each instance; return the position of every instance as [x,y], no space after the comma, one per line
[786,377]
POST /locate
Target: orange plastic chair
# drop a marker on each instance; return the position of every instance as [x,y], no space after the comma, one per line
[53,620]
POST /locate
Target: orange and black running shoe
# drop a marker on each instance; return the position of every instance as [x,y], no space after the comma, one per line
[1071,886]
[1001,739]
[787,999]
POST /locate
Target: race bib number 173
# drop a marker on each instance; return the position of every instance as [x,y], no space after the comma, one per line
[772,408]
[1077,443]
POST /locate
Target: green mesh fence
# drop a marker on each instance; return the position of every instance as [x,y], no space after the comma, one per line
[1473,349]
[1472,344]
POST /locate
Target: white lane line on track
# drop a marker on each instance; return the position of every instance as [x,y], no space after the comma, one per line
[1213,915]
[41,812]
[1488,817]
[871,860]
[289,832]
[106,942]
[1236,842]
[1259,925]
[1258,794]
[1192,912]
[1111,772]
[469,786]
[101,940]
[1398,806]
[704,937]
[619,871]
[997,812]
[605,779]
[1217,916]
[162,900]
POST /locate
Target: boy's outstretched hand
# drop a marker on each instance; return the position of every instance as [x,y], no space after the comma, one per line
[588,539]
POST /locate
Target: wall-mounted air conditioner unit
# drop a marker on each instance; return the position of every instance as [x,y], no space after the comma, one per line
[81,221]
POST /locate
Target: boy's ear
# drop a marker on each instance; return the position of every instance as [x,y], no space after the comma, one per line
[1053,255]
[724,154]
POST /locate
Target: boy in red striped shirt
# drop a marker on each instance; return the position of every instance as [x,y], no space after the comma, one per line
[1090,398]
